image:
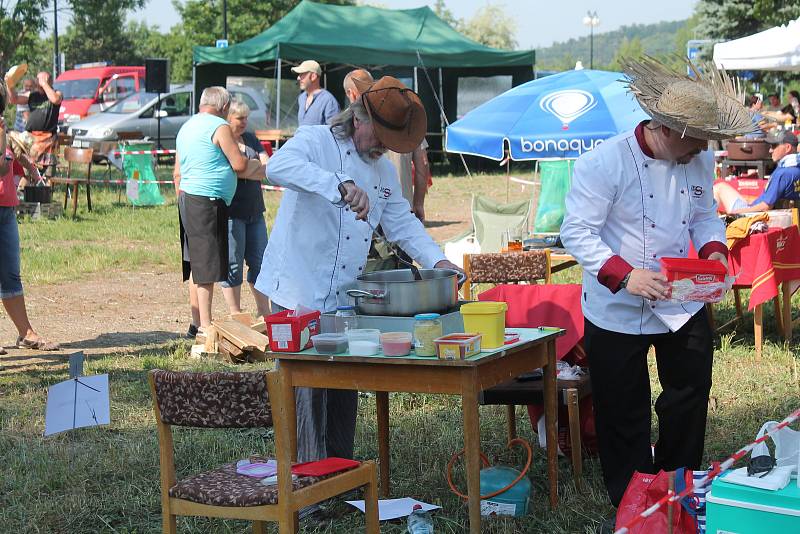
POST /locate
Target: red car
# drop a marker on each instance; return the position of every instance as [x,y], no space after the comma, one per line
[91,88]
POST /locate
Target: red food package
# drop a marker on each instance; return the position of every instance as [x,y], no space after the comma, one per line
[694,280]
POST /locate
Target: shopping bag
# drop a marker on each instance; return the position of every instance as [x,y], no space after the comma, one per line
[644,490]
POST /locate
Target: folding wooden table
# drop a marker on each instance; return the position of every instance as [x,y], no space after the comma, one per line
[415,374]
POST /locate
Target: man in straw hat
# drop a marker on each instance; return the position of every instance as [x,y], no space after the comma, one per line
[339,187]
[638,197]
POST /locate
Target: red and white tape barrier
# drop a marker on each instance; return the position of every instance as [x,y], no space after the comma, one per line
[142,152]
[671,497]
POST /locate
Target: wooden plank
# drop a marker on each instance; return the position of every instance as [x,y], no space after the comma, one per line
[235,354]
[260,327]
[210,342]
[241,335]
[244,318]
[199,351]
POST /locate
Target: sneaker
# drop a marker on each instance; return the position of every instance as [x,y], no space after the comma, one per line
[192,333]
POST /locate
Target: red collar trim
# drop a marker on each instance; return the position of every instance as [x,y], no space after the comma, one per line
[639,133]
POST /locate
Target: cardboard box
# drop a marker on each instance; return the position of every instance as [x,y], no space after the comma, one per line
[291,334]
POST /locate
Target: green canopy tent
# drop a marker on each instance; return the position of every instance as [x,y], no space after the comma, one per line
[396,42]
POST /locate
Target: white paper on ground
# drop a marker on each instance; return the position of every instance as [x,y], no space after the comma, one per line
[395,508]
[132,189]
[76,403]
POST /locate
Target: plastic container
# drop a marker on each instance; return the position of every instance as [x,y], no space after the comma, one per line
[291,334]
[396,343]
[330,343]
[512,502]
[427,328]
[372,335]
[458,346]
[745,510]
[419,521]
[486,318]
[346,318]
[694,280]
[363,347]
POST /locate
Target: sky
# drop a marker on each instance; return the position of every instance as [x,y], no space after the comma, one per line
[539,23]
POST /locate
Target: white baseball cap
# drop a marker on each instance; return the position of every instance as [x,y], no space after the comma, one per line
[308,65]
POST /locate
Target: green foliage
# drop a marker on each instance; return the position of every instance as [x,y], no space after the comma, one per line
[628,49]
[492,26]
[20,24]
[731,19]
[657,39]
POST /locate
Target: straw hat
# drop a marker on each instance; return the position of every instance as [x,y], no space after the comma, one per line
[706,106]
[15,74]
[397,114]
[20,143]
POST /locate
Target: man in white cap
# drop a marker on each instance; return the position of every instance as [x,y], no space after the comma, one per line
[315,105]
[641,196]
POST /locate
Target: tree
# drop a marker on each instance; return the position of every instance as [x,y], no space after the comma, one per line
[445,14]
[731,19]
[97,32]
[20,24]
[491,26]
[628,49]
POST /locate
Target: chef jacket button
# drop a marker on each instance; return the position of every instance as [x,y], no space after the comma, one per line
[684,222]
[682,191]
[645,165]
[365,239]
[376,187]
[360,268]
[654,255]
[343,266]
[651,196]
[337,292]
[653,306]
[347,237]
[681,250]
[348,152]
[652,226]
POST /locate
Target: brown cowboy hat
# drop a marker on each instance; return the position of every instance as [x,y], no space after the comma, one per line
[397,114]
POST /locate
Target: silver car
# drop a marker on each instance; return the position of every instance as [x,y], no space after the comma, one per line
[139,114]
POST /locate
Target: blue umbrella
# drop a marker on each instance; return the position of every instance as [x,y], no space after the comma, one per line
[559,116]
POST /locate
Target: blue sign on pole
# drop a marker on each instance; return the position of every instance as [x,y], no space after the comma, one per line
[222,43]
[693,49]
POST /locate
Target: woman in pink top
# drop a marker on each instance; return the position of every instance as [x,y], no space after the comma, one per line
[10,281]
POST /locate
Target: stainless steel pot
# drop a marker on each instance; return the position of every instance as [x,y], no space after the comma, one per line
[396,293]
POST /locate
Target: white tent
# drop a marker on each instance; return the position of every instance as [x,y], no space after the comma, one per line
[774,49]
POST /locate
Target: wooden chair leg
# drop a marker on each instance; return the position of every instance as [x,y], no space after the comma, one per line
[573,413]
[511,415]
[758,329]
[259,527]
[371,505]
[66,196]
[778,315]
[737,299]
[289,522]
[169,523]
[786,310]
[710,316]
[89,196]
[74,200]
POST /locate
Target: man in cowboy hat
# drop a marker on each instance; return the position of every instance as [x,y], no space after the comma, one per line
[638,197]
[315,105]
[338,188]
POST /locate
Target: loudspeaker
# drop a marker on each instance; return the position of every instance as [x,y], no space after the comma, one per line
[156,75]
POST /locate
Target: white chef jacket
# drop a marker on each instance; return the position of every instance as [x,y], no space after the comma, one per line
[625,203]
[317,248]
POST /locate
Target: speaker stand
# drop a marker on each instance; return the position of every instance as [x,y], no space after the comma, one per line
[158,126]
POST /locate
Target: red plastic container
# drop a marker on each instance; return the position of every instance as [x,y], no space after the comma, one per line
[695,273]
[291,334]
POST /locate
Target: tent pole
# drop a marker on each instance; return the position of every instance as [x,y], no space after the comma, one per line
[278,100]
[416,81]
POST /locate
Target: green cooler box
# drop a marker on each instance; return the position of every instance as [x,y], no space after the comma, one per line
[737,509]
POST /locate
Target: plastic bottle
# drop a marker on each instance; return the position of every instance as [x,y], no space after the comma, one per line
[420,522]
[346,318]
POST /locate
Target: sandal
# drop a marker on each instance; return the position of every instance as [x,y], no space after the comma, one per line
[38,344]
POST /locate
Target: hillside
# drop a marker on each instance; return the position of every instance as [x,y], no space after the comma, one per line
[656,39]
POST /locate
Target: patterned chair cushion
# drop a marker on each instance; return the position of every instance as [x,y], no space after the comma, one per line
[508,267]
[225,487]
[213,400]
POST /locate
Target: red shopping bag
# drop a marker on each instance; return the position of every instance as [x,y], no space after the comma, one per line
[643,491]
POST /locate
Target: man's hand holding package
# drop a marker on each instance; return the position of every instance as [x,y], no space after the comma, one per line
[651,285]
[356,198]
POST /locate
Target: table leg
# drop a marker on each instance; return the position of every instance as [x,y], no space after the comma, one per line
[290,409]
[550,421]
[511,415]
[382,405]
[786,293]
[758,329]
[472,446]
[737,299]
[575,436]
[778,315]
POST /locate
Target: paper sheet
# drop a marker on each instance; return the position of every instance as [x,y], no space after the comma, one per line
[395,508]
[76,403]
[132,189]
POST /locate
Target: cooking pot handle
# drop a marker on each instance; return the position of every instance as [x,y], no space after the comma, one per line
[462,277]
[746,149]
[359,293]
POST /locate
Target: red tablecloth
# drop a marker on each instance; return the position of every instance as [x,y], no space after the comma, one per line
[764,261]
[531,306]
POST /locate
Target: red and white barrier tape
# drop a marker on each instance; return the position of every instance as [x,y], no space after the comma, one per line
[712,474]
[142,152]
[102,181]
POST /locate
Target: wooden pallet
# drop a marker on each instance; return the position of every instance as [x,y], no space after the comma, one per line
[38,210]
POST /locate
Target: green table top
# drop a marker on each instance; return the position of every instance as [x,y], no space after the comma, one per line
[527,337]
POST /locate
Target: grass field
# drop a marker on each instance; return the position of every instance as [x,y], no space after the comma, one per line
[106,479]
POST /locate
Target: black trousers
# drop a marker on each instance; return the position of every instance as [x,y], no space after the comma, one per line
[621,393]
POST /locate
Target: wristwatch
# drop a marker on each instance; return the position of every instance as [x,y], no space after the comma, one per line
[624,281]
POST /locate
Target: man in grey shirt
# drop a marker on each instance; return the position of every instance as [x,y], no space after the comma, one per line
[315,105]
